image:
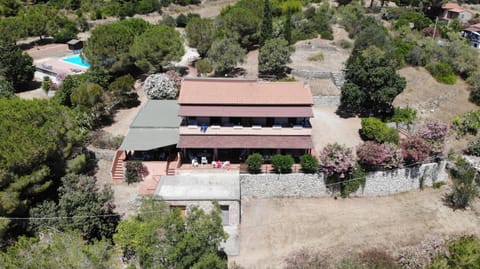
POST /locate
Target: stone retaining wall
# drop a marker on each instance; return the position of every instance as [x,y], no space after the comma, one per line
[307,185]
[102,154]
[311,74]
[326,100]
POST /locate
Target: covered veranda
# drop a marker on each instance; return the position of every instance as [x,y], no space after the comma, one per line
[235,149]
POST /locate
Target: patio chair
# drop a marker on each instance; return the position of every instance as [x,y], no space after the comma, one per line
[194,162]
[204,161]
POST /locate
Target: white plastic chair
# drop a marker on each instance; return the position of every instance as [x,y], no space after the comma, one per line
[204,161]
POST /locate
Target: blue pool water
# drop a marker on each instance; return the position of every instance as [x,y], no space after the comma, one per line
[76,59]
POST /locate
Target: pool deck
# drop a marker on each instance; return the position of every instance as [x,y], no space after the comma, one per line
[58,66]
[48,59]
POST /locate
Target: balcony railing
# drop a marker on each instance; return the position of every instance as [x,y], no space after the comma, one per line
[241,130]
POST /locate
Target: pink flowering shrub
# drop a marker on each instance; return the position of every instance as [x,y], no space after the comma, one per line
[374,155]
[435,133]
[336,159]
[61,76]
[433,130]
[415,149]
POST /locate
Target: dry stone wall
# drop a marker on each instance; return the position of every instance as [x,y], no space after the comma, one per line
[313,185]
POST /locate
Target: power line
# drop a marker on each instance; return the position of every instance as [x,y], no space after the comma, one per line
[148,212]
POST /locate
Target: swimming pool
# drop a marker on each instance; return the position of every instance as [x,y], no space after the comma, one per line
[76,59]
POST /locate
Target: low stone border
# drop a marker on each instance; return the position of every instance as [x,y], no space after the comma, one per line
[313,185]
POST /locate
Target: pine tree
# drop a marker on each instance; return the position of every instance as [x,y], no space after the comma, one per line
[287,31]
[266,30]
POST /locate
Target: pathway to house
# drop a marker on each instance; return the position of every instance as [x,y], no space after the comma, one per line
[272,229]
[328,127]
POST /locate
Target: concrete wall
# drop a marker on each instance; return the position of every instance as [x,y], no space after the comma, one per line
[306,185]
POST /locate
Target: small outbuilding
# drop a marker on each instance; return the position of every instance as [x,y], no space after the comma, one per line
[75,45]
[183,191]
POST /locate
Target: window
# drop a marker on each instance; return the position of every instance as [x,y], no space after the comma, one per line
[225,214]
[181,208]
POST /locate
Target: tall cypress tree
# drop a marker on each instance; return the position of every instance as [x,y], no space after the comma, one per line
[266,29]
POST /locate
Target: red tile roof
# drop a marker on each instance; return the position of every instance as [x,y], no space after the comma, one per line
[245,111]
[453,7]
[238,141]
[243,92]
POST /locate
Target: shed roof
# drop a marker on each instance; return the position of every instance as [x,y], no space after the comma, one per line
[245,141]
[243,92]
[158,114]
[143,139]
[245,111]
[155,126]
[212,186]
[73,42]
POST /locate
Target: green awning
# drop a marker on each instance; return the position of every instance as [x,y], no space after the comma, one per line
[142,139]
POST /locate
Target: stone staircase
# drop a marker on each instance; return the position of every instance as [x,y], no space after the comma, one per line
[118,170]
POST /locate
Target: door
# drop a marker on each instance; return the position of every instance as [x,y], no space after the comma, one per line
[225,215]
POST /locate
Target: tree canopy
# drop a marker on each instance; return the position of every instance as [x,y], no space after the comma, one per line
[59,250]
[156,48]
[273,57]
[371,84]
[79,196]
[37,137]
[224,54]
[200,34]
[160,238]
[108,46]
[15,65]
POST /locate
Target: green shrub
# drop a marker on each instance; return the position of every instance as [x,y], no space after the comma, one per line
[438,185]
[203,67]
[345,44]
[77,165]
[462,253]
[442,72]
[317,57]
[376,130]
[309,163]
[468,123]
[475,97]
[474,148]
[357,179]
[464,189]
[133,171]
[403,114]
[418,19]
[181,20]
[254,162]
[282,163]
[328,35]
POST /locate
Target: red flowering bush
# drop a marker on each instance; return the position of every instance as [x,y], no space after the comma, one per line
[336,159]
[373,155]
[415,149]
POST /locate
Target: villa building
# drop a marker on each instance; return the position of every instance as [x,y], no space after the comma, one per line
[219,120]
[451,11]
[227,120]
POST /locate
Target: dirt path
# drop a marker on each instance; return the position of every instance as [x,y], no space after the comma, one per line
[273,229]
[251,65]
[328,127]
[124,195]
[124,117]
